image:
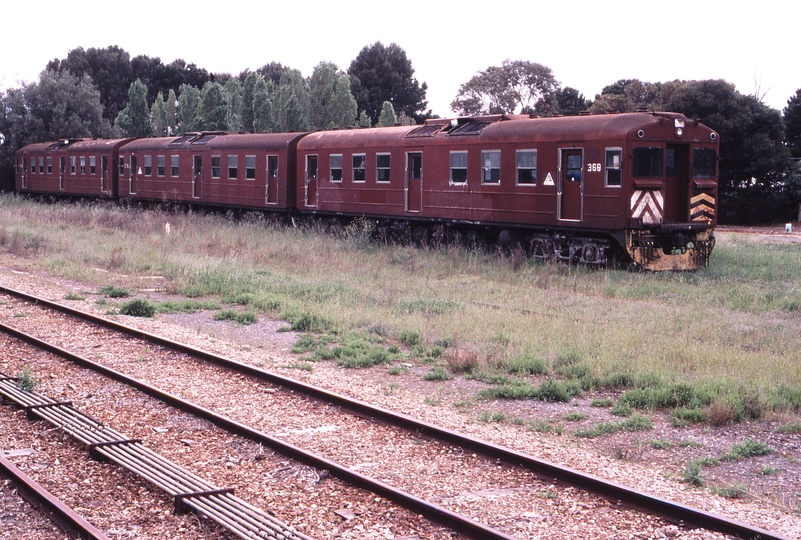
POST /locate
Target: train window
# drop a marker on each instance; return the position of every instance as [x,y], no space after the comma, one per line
[72,164]
[148,165]
[614,162]
[250,167]
[233,167]
[704,163]
[122,166]
[459,167]
[215,166]
[648,162]
[41,165]
[382,167]
[671,163]
[92,164]
[491,166]
[359,167]
[161,165]
[83,165]
[49,165]
[33,165]
[272,166]
[527,167]
[573,168]
[335,163]
[175,165]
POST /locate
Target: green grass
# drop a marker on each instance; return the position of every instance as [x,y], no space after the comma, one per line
[726,334]
[635,423]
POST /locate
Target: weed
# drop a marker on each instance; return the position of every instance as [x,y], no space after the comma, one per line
[688,443]
[114,292]
[138,307]
[635,423]
[693,474]
[746,449]
[437,373]
[660,444]
[683,416]
[544,426]
[768,470]
[487,417]
[432,401]
[793,427]
[397,369]
[547,494]
[602,402]
[26,381]
[575,417]
[240,317]
[409,337]
[622,408]
[731,491]
[74,296]
[305,366]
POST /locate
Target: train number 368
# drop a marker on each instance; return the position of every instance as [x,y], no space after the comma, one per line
[593,167]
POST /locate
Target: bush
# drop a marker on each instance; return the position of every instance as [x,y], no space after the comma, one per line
[437,374]
[138,307]
[114,292]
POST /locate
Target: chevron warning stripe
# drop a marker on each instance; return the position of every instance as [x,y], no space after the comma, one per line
[647,205]
[702,208]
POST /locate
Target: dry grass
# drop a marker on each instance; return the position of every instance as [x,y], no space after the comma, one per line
[731,329]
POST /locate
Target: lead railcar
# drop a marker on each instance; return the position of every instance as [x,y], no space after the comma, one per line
[638,186]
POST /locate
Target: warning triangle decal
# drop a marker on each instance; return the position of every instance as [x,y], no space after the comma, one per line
[548,180]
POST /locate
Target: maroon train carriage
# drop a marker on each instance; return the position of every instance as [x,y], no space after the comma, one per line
[212,168]
[641,186]
[70,167]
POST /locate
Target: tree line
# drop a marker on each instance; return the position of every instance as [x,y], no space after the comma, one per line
[105,93]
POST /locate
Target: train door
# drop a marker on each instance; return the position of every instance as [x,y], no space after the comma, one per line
[62,171]
[311,180]
[271,189]
[414,182]
[570,194]
[677,182]
[103,174]
[197,176]
[24,173]
[132,176]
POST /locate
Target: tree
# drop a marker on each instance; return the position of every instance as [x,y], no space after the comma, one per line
[629,95]
[188,104]
[134,119]
[263,117]
[109,69]
[387,117]
[515,86]
[171,113]
[332,104]
[792,124]
[158,117]
[248,92]
[272,72]
[566,101]
[292,103]
[214,110]
[234,90]
[380,74]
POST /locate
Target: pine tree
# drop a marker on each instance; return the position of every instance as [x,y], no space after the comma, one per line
[387,117]
[134,119]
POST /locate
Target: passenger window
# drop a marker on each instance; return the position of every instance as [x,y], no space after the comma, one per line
[174,165]
[233,167]
[704,163]
[148,165]
[92,164]
[614,174]
[382,167]
[647,162]
[215,166]
[250,167]
[161,163]
[527,167]
[458,167]
[491,167]
[335,162]
[359,167]
[573,173]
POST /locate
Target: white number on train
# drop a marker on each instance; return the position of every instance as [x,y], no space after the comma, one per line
[593,167]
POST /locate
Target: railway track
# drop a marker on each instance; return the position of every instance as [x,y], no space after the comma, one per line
[501,461]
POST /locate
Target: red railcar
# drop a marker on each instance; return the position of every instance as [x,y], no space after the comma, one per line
[74,167]
[579,188]
[221,169]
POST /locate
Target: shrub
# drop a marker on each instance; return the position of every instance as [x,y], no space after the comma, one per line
[138,307]
[26,381]
[682,415]
[721,413]
[602,402]
[692,473]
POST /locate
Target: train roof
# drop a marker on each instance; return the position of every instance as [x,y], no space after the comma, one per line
[509,128]
[76,145]
[217,140]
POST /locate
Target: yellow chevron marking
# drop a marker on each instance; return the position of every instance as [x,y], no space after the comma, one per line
[703,197]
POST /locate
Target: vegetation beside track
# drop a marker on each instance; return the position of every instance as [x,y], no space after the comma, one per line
[718,345]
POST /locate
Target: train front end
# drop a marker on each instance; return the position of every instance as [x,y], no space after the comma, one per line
[673,182]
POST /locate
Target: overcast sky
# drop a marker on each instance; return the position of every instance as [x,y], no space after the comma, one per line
[588,45]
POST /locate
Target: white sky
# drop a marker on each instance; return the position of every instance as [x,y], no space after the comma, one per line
[588,45]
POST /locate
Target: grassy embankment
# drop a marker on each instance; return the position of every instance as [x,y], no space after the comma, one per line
[720,344]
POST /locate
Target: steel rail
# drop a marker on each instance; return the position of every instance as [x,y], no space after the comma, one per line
[438,514]
[188,490]
[59,513]
[611,491]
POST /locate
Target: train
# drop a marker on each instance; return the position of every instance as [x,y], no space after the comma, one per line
[638,188]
